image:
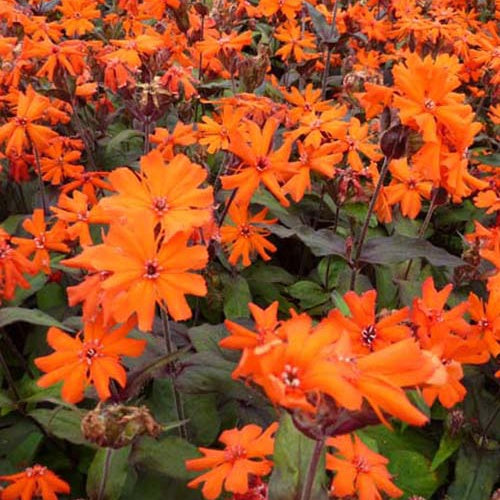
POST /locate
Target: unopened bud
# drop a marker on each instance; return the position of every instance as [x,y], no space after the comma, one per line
[394,142]
[455,421]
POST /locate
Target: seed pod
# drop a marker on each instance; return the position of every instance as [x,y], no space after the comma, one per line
[116,426]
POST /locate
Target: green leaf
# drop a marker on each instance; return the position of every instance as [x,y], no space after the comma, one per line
[61,422]
[52,299]
[447,446]
[493,159]
[204,419]
[151,485]
[326,32]
[309,293]
[24,453]
[236,298]
[410,439]
[6,402]
[9,315]
[115,462]
[166,456]
[475,473]
[329,269]
[398,248]
[412,473]
[292,456]
[123,136]
[340,303]
[11,223]
[321,243]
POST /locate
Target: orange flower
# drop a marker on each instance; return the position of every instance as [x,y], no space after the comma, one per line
[367,333]
[67,56]
[43,240]
[305,101]
[260,163]
[146,269]
[76,212]
[91,358]
[246,237]
[288,7]
[170,192]
[88,182]
[21,130]
[406,188]
[13,264]
[253,343]
[77,15]
[243,456]
[57,163]
[356,141]
[321,160]
[487,319]
[295,42]
[182,135]
[35,481]
[225,44]
[320,128]
[215,135]
[359,470]
[432,320]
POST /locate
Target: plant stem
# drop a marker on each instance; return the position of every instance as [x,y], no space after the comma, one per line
[366,223]
[423,228]
[171,348]
[147,130]
[40,180]
[311,471]
[226,208]
[105,473]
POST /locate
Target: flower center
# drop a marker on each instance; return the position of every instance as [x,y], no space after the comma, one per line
[83,216]
[235,452]
[152,269]
[484,323]
[20,121]
[160,205]
[361,464]
[245,231]
[368,335]
[90,351]
[262,163]
[36,470]
[40,241]
[290,377]
[429,104]
[5,251]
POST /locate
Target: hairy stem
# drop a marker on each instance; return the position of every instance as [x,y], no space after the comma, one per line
[423,228]
[170,348]
[366,223]
[105,473]
[311,471]
[40,180]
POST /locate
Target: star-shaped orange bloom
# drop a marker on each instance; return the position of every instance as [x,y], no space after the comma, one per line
[146,269]
[20,130]
[34,482]
[244,454]
[170,192]
[359,470]
[260,163]
[245,237]
[92,357]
